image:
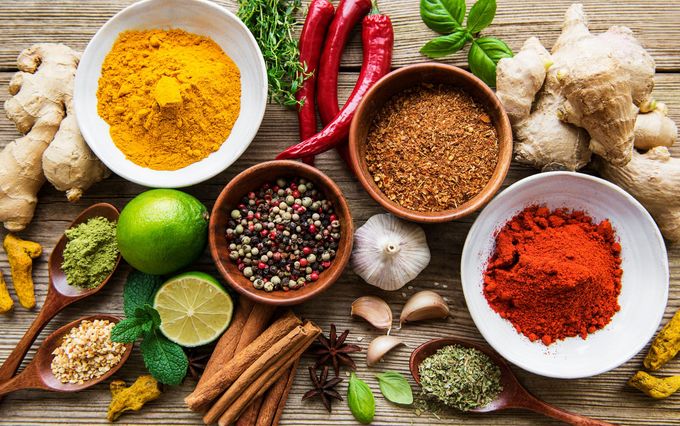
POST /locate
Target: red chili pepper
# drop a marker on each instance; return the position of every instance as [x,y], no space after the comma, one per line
[311,43]
[378,39]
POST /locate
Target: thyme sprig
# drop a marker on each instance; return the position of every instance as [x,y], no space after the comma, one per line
[273,23]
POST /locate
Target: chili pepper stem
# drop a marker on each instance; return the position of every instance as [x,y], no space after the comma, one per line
[375,10]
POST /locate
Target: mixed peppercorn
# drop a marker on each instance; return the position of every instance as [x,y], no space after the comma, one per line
[284,235]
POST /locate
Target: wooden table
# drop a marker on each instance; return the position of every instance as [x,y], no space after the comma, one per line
[23,22]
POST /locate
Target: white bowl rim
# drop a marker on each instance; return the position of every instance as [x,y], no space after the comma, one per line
[190,179]
[664,260]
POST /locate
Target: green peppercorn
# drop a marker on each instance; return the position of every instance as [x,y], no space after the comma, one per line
[268,286]
[235,214]
[258,283]
[276,280]
[239,229]
[248,272]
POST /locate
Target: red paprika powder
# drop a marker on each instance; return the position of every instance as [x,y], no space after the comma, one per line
[554,274]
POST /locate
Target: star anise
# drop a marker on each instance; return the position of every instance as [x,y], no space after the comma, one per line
[334,350]
[198,360]
[323,388]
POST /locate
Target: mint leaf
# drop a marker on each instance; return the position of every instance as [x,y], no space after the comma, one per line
[483,57]
[165,360]
[128,330]
[443,16]
[395,387]
[151,317]
[481,15]
[445,45]
[139,290]
[360,400]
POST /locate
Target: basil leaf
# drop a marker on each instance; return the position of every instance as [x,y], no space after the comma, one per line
[445,45]
[483,57]
[165,360]
[360,400]
[443,16]
[481,15]
[139,290]
[395,387]
[128,330]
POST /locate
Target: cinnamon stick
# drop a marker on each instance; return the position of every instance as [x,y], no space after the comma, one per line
[258,321]
[226,346]
[266,379]
[230,371]
[275,400]
[277,354]
[249,416]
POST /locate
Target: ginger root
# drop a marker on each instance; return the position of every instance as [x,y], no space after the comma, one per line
[656,387]
[123,398]
[653,178]
[6,302]
[42,96]
[20,254]
[654,128]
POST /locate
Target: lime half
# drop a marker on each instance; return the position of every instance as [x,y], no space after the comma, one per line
[194,309]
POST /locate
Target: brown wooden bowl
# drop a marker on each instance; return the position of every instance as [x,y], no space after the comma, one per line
[410,76]
[251,180]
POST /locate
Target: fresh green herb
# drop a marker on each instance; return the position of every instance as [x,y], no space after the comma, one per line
[360,400]
[395,387]
[272,22]
[165,360]
[460,377]
[446,17]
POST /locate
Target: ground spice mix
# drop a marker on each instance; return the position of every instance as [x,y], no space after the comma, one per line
[555,274]
[431,148]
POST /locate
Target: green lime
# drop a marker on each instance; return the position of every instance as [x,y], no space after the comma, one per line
[194,309]
[162,230]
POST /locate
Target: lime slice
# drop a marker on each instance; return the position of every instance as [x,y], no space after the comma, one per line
[194,309]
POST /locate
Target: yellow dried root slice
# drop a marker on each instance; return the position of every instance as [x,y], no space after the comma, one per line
[666,344]
[132,398]
[20,254]
[6,302]
[656,387]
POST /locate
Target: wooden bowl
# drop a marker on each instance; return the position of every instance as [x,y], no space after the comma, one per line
[251,180]
[410,76]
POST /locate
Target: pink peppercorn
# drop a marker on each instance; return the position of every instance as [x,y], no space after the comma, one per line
[314,276]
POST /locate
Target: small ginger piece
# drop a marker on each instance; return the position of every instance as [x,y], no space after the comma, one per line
[665,346]
[20,254]
[656,387]
[132,398]
[653,178]
[654,128]
[6,302]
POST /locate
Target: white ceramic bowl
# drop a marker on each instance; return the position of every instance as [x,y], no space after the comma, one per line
[197,16]
[644,285]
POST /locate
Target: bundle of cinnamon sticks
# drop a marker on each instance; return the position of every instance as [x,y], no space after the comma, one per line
[252,368]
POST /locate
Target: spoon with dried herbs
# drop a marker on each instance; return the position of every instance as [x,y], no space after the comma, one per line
[495,385]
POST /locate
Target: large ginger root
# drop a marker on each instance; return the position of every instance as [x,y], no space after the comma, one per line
[6,302]
[124,398]
[42,94]
[653,178]
[589,100]
[654,128]
[20,254]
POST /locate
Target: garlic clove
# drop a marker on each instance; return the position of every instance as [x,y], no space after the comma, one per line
[374,310]
[379,347]
[424,305]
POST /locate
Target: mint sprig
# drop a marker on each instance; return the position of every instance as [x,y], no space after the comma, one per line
[165,360]
[446,17]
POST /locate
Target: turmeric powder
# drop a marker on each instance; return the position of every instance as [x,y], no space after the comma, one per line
[20,254]
[171,98]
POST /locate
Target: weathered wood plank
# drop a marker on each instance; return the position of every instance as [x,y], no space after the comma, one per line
[605,396]
[74,22]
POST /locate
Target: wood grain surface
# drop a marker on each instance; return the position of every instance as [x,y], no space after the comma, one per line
[605,397]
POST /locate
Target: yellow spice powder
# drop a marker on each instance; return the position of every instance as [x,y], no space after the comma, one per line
[171,98]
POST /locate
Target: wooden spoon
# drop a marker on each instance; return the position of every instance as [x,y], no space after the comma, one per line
[59,293]
[38,374]
[513,395]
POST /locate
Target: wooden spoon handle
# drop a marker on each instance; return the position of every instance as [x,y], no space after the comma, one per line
[50,308]
[534,404]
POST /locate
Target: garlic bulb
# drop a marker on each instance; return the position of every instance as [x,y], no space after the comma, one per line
[389,252]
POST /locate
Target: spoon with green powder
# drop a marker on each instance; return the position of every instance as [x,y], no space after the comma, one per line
[59,293]
[512,393]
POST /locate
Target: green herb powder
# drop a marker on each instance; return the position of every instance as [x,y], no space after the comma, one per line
[90,253]
[460,377]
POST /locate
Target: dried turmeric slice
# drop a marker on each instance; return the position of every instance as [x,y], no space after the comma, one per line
[6,302]
[656,387]
[143,390]
[20,254]
[666,344]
